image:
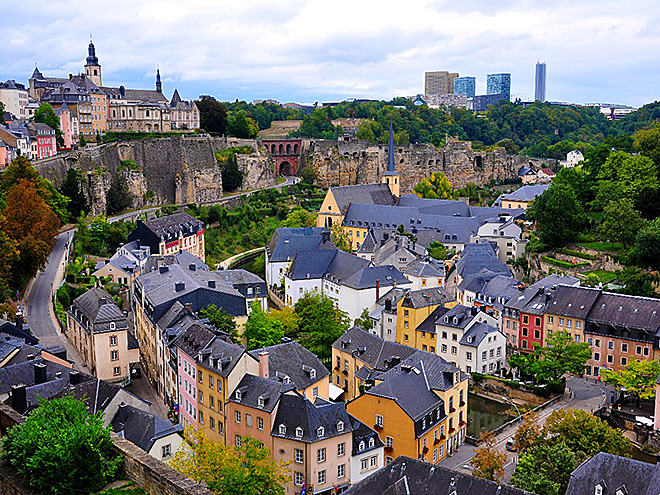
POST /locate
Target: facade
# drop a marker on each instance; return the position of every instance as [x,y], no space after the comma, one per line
[539,82]
[184,114]
[521,197]
[14,97]
[465,85]
[480,103]
[338,199]
[573,158]
[425,273]
[439,82]
[99,331]
[451,100]
[412,310]
[171,234]
[69,133]
[499,84]
[44,137]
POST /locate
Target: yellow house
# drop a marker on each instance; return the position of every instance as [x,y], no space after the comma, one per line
[338,199]
[522,197]
[409,416]
[413,309]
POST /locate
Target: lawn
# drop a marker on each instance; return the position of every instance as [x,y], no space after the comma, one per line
[612,247]
[577,254]
[562,264]
[605,276]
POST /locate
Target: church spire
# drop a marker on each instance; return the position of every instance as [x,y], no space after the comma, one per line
[159,85]
[390,151]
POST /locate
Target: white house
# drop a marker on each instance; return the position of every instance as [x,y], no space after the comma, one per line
[573,158]
[425,273]
[368,453]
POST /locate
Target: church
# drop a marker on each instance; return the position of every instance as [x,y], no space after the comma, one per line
[96,109]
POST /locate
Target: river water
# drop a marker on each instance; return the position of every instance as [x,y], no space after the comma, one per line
[486,415]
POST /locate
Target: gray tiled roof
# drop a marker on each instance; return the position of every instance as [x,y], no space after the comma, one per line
[440,374]
[311,264]
[286,242]
[370,348]
[377,194]
[170,225]
[476,334]
[427,297]
[555,279]
[526,193]
[458,316]
[142,428]
[574,302]
[254,388]
[98,307]
[410,476]
[293,360]
[428,325]
[613,472]
[428,267]
[631,312]
[220,356]
[296,411]
[363,433]
[477,256]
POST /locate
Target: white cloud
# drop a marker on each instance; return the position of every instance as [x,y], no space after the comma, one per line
[310,50]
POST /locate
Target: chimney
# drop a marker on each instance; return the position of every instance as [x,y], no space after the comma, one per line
[179,286]
[263,365]
[18,398]
[40,375]
[212,284]
[30,357]
[163,269]
[377,289]
[325,235]
[192,267]
[388,304]
[19,321]
[474,310]
[123,412]
[74,377]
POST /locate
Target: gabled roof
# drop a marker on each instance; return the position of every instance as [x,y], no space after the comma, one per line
[375,194]
[297,412]
[440,375]
[312,264]
[631,312]
[142,428]
[427,297]
[428,325]
[571,301]
[168,227]
[259,393]
[99,308]
[554,279]
[477,256]
[362,434]
[285,243]
[292,360]
[526,193]
[428,267]
[613,472]
[371,349]
[477,333]
[220,356]
[458,317]
[407,476]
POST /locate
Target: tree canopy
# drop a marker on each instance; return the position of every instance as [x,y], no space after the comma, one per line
[221,320]
[558,213]
[638,378]
[261,330]
[544,469]
[72,188]
[622,222]
[488,462]
[46,115]
[435,187]
[119,197]
[212,115]
[321,323]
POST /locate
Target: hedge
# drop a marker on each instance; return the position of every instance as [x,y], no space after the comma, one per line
[560,263]
[577,254]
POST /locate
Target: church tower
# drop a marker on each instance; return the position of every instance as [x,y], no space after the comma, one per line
[159,85]
[391,176]
[92,66]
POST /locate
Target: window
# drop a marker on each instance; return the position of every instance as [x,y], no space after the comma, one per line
[298,478]
[282,429]
[315,391]
[483,355]
[569,323]
[597,342]
[444,335]
[320,432]
[537,321]
[491,353]
[321,477]
[624,347]
[320,455]
[200,376]
[341,470]
[525,319]
[211,402]
[260,423]
[299,456]
[113,340]
[624,361]
[638,349]
[201,417]
[237,416]
[454,337]
[166,451]
[610,345]
[372,442]
[610,358]
[405,312]
[646,351]
[550,320]
[468,356]
[211,382]
[578,324]
[299,432]
[201,397]
[524,331]
[389,441]
[364,464]
[212,422]
[453,350]
[379,420]
[238,440]
[248,420]
[444,348]
[537,334]
[116,371]
[340,426]
[114,355]
[435,455]
[341,449]
[596,356]
[561,322]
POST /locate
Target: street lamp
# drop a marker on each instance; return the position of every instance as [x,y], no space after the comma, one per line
[514,405]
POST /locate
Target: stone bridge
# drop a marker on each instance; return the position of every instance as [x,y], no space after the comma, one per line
[286,154]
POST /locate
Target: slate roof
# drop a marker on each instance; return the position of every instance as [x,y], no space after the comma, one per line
[363,433]
[631,312]
[97,394]
[20,330]
[100,310]
[410,390]
[183,258]
[428,325]
[24,373]
[440,375]
[169,226]
[428,267]
[367,277]
[476,282]
[477,333]
[574,302]
[477,256]
[376,194]
[252,388]
[286,242]
[407,476]
[457,317]
[555,279]
[142,428]
[526,193]
[312,264]
[194,339]
[613,472]
[219,356]
[427,297]
[370,348]
[296,411]
[293,360]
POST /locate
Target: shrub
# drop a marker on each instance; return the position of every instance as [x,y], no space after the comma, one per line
[577,254]
[62,449]
[478,377]
[560,263]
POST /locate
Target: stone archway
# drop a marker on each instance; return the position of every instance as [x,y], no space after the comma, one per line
[285,168]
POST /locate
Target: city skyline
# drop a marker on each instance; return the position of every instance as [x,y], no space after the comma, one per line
[301,51]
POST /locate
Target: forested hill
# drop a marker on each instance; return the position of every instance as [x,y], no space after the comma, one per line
[538,129]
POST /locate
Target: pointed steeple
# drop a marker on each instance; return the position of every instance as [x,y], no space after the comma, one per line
[37,73]
[92,59]
[159,85]
[175,98]
[390,151]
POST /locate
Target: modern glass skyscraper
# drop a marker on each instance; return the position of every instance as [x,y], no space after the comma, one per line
[499,84]
[465,86]
[539,84]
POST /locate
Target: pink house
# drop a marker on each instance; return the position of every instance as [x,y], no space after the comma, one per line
[5,155]
[46,141]
[66,125]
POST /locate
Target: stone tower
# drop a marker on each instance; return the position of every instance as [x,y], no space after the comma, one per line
[92,66]
[391,176]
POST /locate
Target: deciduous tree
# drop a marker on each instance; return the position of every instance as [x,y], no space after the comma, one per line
[364,321]
[646,251]
[321,323]
[638,378]
[221,320]
[435,187]
[299,217]
[622,222]
[230,470]
[488,462]
[261,330]
[559,215]
[544,469]
[46,115]
[288,319]
[212,114]
[624,176]
[528,433]
[340,238]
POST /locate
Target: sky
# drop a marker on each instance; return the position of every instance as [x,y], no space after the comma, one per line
[317,50]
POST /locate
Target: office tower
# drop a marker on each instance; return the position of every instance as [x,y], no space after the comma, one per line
[465,86]
[539,84]
[439,82]
[499,84]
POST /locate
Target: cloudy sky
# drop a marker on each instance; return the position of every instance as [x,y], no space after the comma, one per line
[319,50]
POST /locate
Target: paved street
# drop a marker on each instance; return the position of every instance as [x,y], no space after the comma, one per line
[580,394]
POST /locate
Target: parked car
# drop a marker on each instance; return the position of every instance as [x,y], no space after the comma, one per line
[511,445]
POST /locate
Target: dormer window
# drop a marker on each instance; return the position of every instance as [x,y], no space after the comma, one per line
[340,426]
[238,395]
[598,490]
[299,432]
[282,429]
[455,320]
[312,373]
[446,319]
[260,401]
[361,446]
[320,432]
[372,442]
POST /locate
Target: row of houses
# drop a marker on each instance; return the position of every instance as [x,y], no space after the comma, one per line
[33,140]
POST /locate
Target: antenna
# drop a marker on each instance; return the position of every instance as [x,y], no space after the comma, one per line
[90,37]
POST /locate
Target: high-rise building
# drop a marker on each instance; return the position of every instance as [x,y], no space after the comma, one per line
[465,86]
[439,82]
[499,84]
[539,84]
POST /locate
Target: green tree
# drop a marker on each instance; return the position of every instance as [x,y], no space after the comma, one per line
[299,217]
[488,462]
[647,141]
[625,176]
[212,115]
[584,434]
[544,470]
[2,111]
[231,470]
[308,175]
[46,115]
[321,323]
[364,321]
[288,319]
[340,238]
[62,449]
[622,222]
[577,179]
[221,320]
[648,202]
[119,197]
[528,433]
[637,282]
[646,251]
[241,126]
[508,144]
[436,187]
[72,188]
[261,330]
[637,378]
[438,251]
[559,215]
